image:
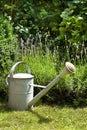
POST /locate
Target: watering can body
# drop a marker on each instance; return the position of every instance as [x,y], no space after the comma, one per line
[20,89]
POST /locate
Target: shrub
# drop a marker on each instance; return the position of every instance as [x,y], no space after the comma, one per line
[7,50]
[42,67]
[71,89]
[73,31]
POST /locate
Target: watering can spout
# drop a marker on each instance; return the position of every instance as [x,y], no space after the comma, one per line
[69,68]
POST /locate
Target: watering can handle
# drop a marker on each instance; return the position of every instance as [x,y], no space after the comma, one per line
[14,66]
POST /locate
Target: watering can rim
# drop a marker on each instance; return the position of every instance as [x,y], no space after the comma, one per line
[21,76]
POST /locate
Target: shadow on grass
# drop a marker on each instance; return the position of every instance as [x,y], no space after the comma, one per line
[4,109]
[41,118]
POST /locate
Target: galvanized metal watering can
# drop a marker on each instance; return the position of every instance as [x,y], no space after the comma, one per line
[21,87]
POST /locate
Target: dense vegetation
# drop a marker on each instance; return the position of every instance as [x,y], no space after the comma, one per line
[46,34]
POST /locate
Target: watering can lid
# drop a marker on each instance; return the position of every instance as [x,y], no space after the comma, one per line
[21,76]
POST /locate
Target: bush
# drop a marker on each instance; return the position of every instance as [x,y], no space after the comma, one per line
[42,67]
[73,33]
[7,50]
[71,89]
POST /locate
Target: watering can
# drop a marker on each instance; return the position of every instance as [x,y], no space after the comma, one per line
[21,87]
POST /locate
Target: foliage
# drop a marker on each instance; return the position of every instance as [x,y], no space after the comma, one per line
[64,21]
[73,31]
[45,67]
[42,67]
[76,87]
[34,16]
[51,32]
[7,49]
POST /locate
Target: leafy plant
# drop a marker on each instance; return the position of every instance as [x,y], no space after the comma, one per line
[7,49]
[42,67]
[73,31]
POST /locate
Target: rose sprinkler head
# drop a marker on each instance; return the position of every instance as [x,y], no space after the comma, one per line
[70,67]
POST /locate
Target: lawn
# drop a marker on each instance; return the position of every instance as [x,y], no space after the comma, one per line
[44,117]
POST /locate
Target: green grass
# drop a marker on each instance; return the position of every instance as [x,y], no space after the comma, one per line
[43,117]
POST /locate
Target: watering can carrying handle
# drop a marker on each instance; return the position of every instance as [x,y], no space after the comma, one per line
[14,66]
